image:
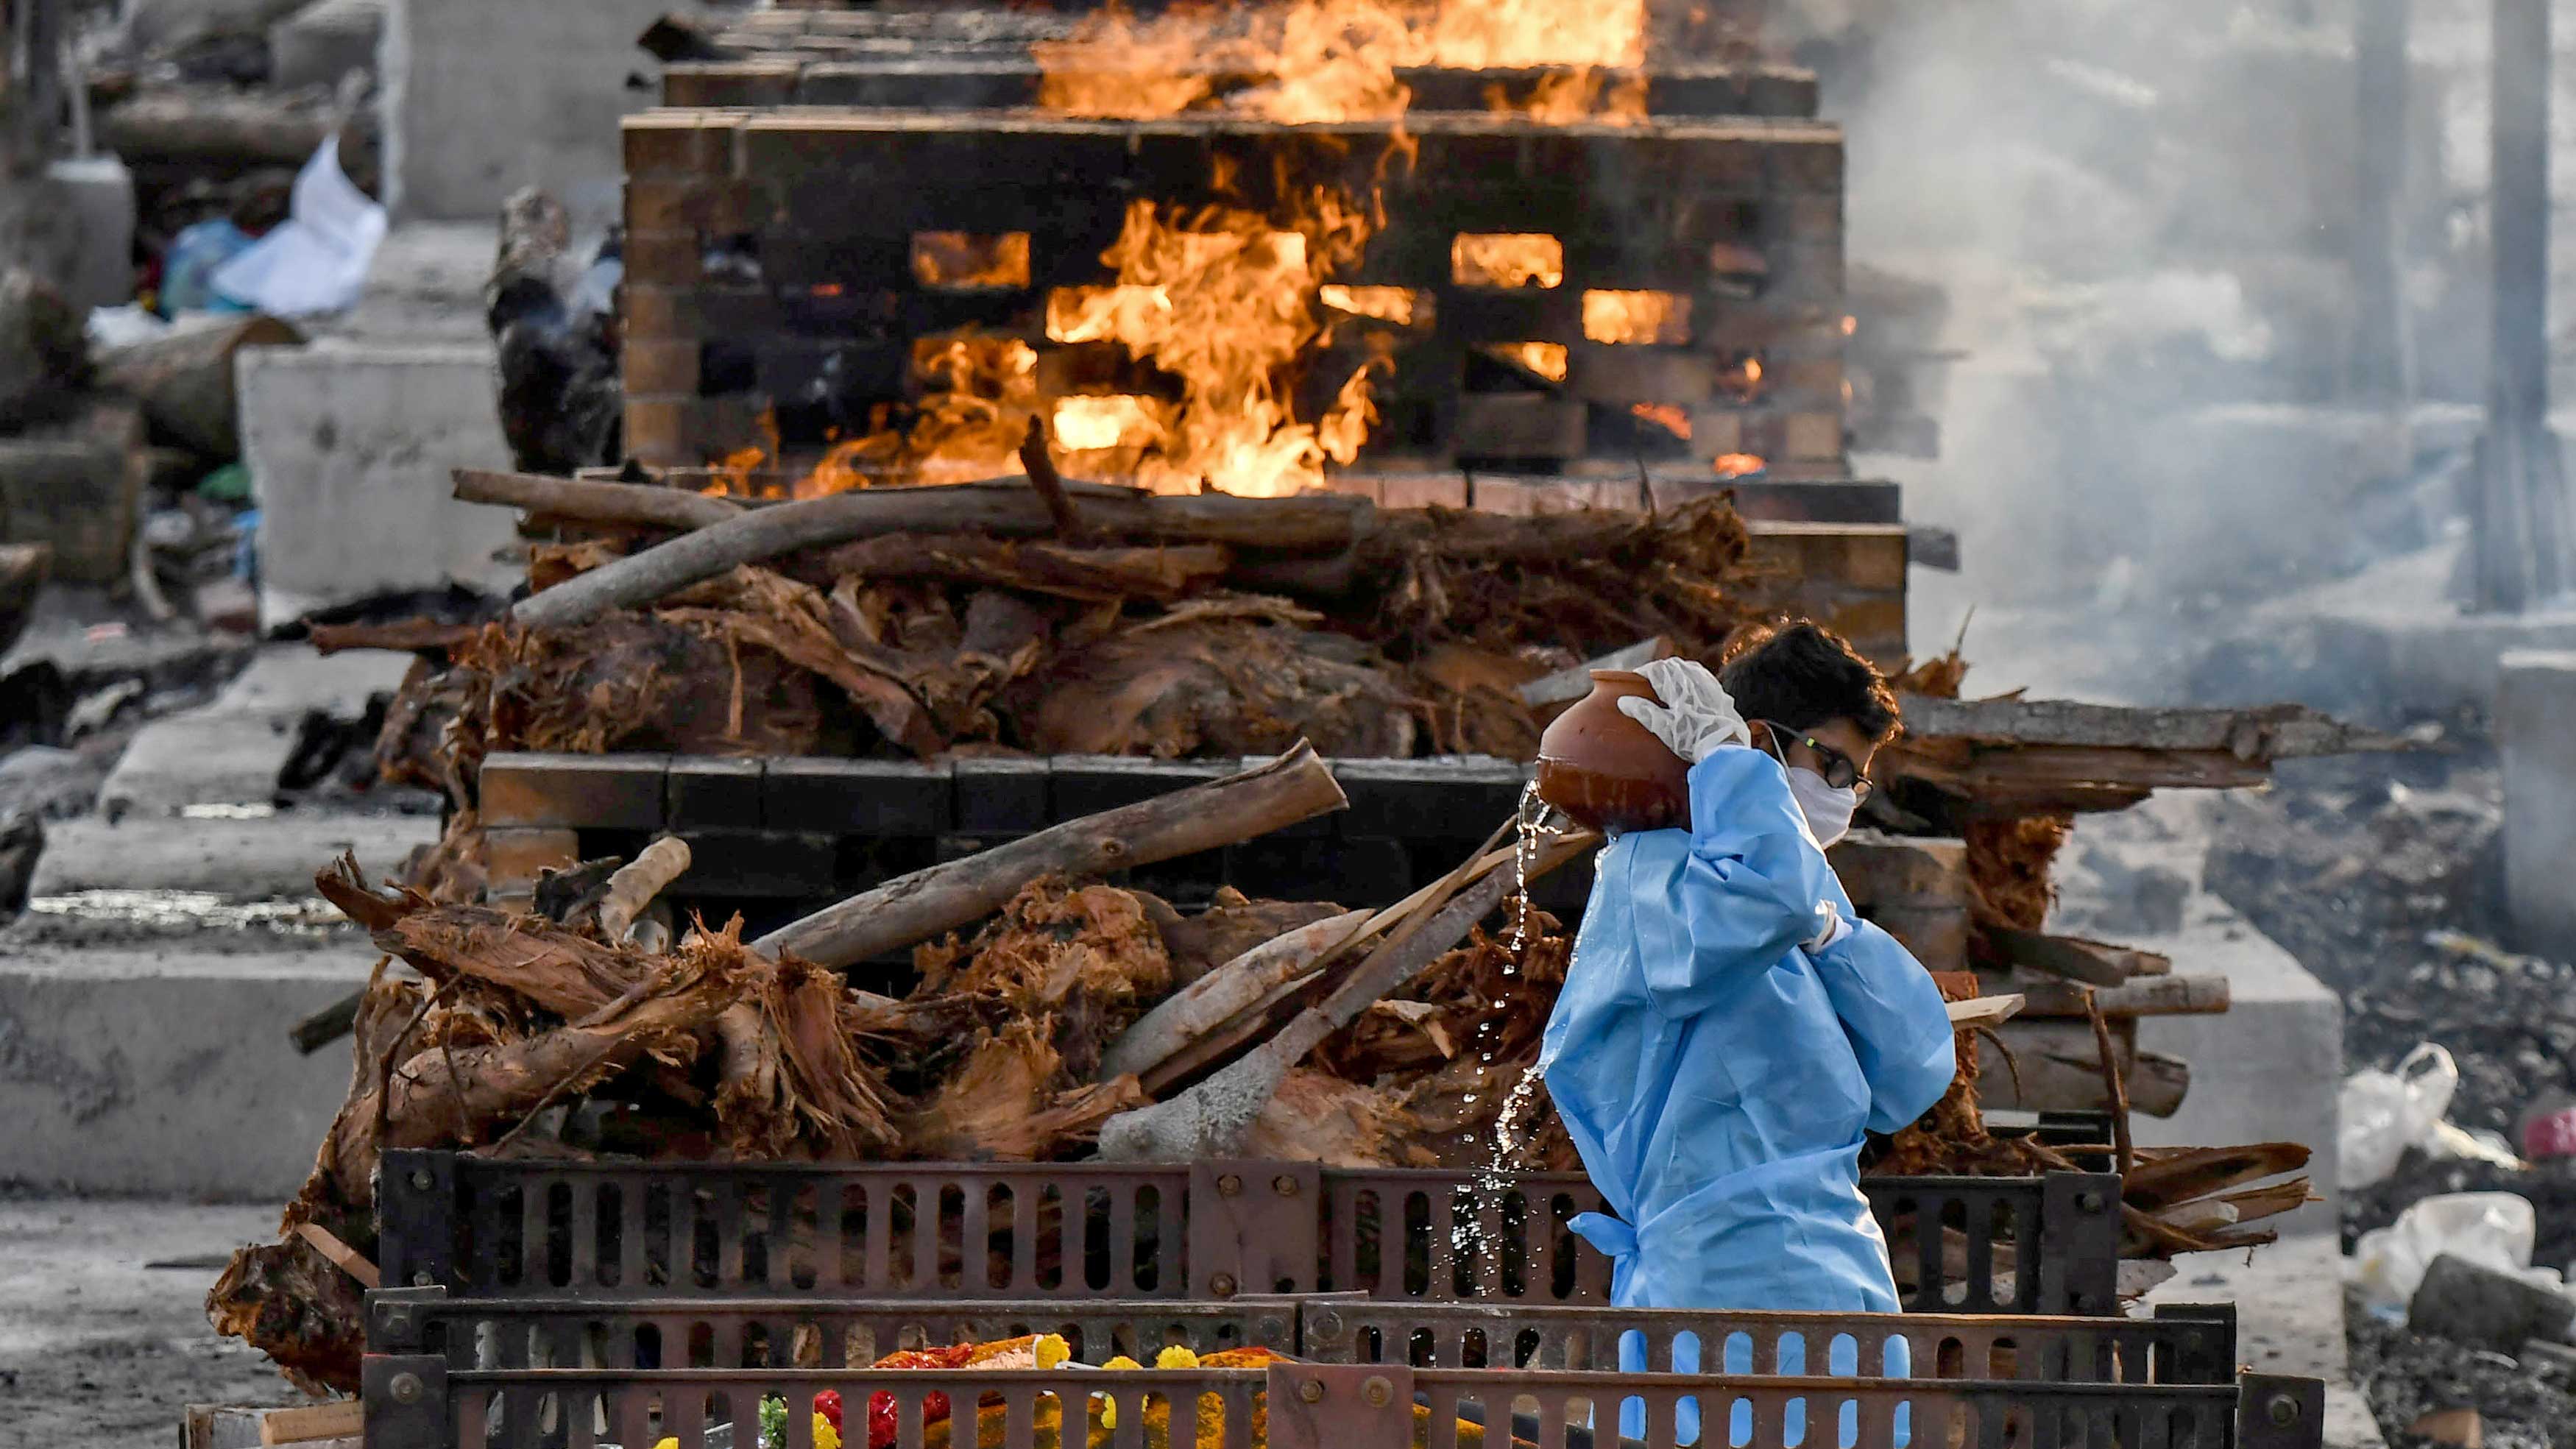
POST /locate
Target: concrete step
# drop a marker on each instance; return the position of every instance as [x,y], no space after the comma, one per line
[153,1071]
[229,752]
[236,860]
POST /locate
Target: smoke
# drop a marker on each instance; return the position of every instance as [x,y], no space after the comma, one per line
[2147,219]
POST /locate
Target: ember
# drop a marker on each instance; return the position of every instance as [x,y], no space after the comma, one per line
[1547,359]
[1507,259]
[961,261]
[1636,317]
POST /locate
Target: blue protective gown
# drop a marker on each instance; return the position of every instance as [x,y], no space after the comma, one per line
[1716,1076]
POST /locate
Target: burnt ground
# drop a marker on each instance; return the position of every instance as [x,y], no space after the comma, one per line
[100,1350]
[2383,875]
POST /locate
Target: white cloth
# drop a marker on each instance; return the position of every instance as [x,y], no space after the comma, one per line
[1696,715]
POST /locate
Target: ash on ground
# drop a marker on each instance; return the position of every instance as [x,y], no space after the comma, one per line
[2523,1403]
[2383,875]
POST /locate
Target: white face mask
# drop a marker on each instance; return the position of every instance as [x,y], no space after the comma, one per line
[1828,810]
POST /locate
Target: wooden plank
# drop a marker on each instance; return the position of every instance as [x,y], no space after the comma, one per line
[2274,732]
[339,1419]
[2153,996]
[2095,963]
[1985,1010]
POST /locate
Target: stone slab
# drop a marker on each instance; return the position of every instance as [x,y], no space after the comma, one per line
[229,752]
[239,860]
[167,1073]
[482,97]
[324,41]
[2267,1069]
[350,446]
[2535,717]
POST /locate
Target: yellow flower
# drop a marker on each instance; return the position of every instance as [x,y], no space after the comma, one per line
[1177,1356]
[825,1436]
[670,1443]
[1122,1361]
[1053,1351]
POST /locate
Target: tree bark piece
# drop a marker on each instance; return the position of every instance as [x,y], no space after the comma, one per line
[1296,786]
[1003,509]
[2056,1068]
[184,380]
[643,505]
[2274,732]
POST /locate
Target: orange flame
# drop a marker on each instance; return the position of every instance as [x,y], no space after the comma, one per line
[1334,60]
[1736,465]
[1547,359]
[1665,416]
[1226,302]
[1398,305]
[1636,317]
[1506,259]
[1566,97]
[959,261]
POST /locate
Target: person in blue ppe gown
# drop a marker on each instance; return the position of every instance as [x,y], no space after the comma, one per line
[1729,1030]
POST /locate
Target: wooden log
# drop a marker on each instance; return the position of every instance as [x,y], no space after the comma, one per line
[645,505]
[1162,572]
[2095,963]
[1568,685]
[1214,999]
[638,882]
[2153,996]
[2274,732]
[1012,509]
[239,130]
[1213,1117]
[184,379]
[1987,1011]
[1296,786]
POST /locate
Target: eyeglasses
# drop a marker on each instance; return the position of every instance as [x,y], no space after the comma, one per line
[1840,771]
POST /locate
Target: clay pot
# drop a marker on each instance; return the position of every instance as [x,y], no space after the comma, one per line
[1608,771]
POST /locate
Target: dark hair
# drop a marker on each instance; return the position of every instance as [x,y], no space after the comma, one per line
[1801,674]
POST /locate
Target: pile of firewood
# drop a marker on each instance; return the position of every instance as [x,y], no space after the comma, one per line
[1046,1013]
[1068,621]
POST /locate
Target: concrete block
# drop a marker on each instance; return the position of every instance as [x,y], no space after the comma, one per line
[1082,785]
[125,1071]
[241,860]
[98,193]
[1001,795]
[2266,1070]
[858,797]
[762,865]
[704,794]
[349,447]
[482,97]
[2535,715]
[586,792]
[2468,1303]
[324,41]
[1461,796]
